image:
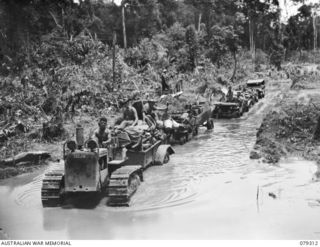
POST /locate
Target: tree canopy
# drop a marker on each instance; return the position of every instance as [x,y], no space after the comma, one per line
[219,26]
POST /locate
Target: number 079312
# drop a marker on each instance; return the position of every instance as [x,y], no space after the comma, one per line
[309,243]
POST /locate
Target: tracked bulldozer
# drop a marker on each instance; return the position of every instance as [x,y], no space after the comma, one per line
[89,169]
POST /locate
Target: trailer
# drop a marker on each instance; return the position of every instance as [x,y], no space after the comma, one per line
[227,110]
[257,85]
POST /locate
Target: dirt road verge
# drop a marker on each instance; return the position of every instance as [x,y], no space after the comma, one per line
[288,129]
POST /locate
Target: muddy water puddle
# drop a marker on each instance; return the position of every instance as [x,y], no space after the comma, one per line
[209,190]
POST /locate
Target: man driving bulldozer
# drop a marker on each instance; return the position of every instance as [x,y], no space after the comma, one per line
[102,133]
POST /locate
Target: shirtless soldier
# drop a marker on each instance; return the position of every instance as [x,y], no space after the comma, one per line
[130,116]
[102,134]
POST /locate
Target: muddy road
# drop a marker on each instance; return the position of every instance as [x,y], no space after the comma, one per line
[209,190]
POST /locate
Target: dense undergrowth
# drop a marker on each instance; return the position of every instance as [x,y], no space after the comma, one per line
[289,128]
[70,78]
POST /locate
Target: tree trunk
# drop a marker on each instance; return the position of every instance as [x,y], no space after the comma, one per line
[316,135]
[114,59]
[235,66]
[252,44]
[124,28]
[28,48]
[199,22]
[315,33]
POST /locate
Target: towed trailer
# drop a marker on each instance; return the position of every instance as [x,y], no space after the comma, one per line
[187,129]
[203,114]
[258,85]
[155,154]
[226,110]
[194,117]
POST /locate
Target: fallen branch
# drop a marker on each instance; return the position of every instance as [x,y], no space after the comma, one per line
[33,157]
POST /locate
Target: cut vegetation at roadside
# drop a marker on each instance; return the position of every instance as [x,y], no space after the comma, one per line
[290,128]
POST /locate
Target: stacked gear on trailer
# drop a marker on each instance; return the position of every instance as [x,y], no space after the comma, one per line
[181,126]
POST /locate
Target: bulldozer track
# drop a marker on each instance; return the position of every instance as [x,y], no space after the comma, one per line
[51,189]
[123,184]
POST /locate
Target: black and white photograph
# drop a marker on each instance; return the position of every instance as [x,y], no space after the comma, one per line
[159,120]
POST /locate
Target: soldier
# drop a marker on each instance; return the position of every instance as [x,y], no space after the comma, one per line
[164,84]
[102,133]
[229,94]
[149,116]
[179,86]
[239,99]
[145,112]
[130,116]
